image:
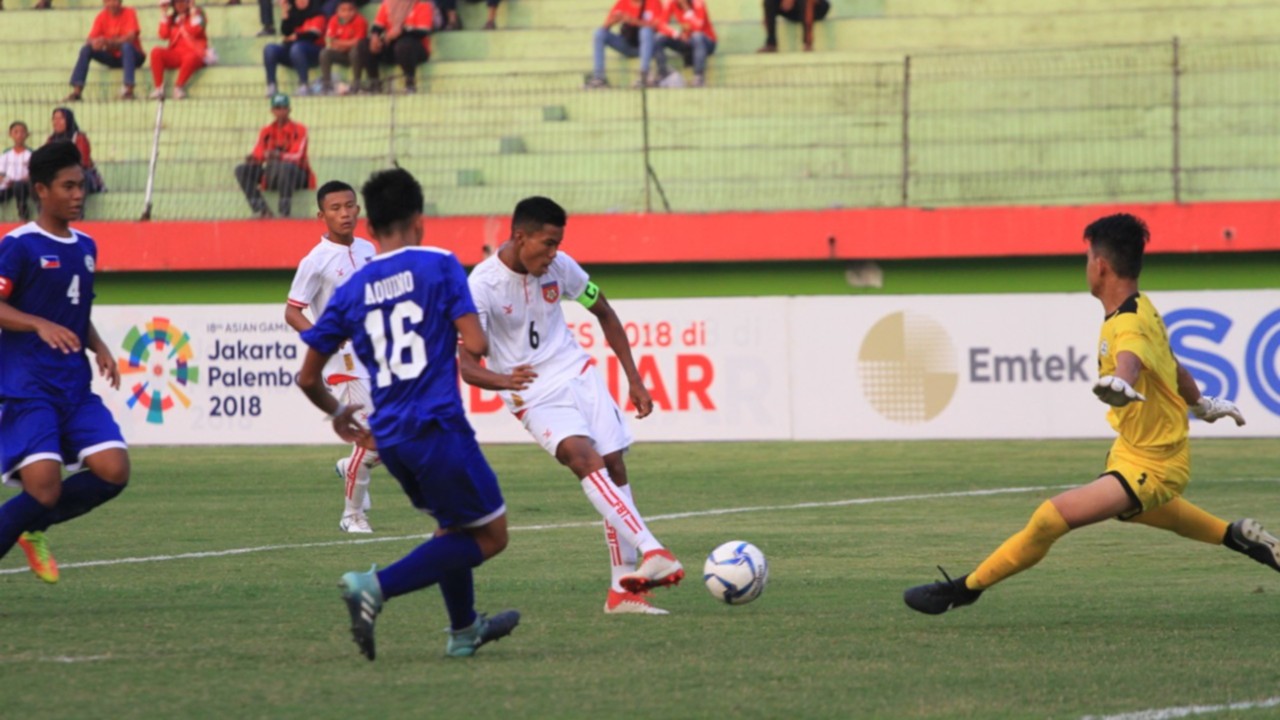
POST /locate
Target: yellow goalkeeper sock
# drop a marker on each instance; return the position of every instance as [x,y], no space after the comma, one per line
[1187,520]
[1022,550]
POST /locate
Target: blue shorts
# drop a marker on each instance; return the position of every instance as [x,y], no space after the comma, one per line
[32,430]
[445,475]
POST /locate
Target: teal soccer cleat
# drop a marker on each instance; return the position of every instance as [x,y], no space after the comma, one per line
[363,596]
[465,642]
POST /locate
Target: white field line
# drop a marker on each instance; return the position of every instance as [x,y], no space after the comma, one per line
[554,526]
[1188,711]
[592,523]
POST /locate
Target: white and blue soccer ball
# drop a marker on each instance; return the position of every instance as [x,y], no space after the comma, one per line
[735,572]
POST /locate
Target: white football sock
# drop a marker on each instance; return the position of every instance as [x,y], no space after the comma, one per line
[622,557]
[357,482]
[617,510]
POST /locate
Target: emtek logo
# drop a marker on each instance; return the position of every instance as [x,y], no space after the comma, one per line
[161,354]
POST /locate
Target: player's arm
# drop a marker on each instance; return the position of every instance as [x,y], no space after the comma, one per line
[343,417]
[102,357]
[1117,390]
[594,300]
[53,334]
[296,318]
[1205,407]
[472,346]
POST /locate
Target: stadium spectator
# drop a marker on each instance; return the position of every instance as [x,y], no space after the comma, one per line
[697,37]
[14,182]
[303,29]
[183,25]
[401,35]
[278,162]
[342,36]
[630,41]
[66,129]
[113,41]
[454,22]
[802,11]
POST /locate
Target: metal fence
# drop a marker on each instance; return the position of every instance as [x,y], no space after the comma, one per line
[1173,121]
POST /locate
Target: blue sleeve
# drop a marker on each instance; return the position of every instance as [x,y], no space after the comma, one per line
[457,293]
[332,329]
[12,264]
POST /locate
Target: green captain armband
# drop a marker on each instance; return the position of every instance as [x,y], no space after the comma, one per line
[589,295]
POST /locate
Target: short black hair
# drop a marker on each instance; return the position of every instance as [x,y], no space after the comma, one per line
[329,188]
[348,2]
[533,212]
[49,160]
[391,197]
[1121,239]
[16,123]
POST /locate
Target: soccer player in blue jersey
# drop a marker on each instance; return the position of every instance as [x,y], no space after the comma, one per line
[50,417]
[404,312]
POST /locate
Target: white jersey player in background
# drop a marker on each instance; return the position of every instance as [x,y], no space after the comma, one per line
[546,379]
[337,257]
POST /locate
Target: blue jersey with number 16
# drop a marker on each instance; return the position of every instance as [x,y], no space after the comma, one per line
[399,311]
[50,277]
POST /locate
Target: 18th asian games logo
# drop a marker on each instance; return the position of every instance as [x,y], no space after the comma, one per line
[161,354]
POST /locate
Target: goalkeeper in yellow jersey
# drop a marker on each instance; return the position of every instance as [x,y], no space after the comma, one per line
[1149,464]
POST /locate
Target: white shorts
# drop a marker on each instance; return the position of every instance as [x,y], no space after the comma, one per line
[355,392]
[582,406]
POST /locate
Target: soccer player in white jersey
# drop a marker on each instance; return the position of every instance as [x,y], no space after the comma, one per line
[546,380]
[334,259]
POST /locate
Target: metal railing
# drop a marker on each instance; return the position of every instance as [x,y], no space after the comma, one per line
[1158,122]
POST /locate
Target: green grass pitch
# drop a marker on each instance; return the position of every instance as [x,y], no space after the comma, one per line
[1117,619]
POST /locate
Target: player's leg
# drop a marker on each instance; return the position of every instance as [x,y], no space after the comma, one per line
[30,458]
[97,457]
[1106,497]
[611,438]
[356,469]
[443,473]
[623,556]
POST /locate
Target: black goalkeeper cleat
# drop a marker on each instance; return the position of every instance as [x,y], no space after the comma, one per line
[1249,537]
[939,597]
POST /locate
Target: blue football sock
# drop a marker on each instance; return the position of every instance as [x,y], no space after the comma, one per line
[81,493]
[459,593]
[20,514]
[428,563]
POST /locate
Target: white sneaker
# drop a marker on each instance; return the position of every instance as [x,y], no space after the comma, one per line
[157,94]
[271,90]
[355,523]
[658,568]
[179,94]
[625,603]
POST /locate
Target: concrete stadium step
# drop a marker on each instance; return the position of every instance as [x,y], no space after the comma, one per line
[69,24]
[958,189]
[901,8]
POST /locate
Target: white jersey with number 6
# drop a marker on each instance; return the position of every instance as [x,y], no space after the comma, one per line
[319,275]
[521,314]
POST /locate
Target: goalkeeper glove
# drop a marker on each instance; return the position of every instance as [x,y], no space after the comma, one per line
[1210,409]
[1115,391]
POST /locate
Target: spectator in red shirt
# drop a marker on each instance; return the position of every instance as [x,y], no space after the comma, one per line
[635,38]
[801,11]
[346,29]
[697,37]
[278,162]
[303,29]
[401,35]
[113,41]
[183,25]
